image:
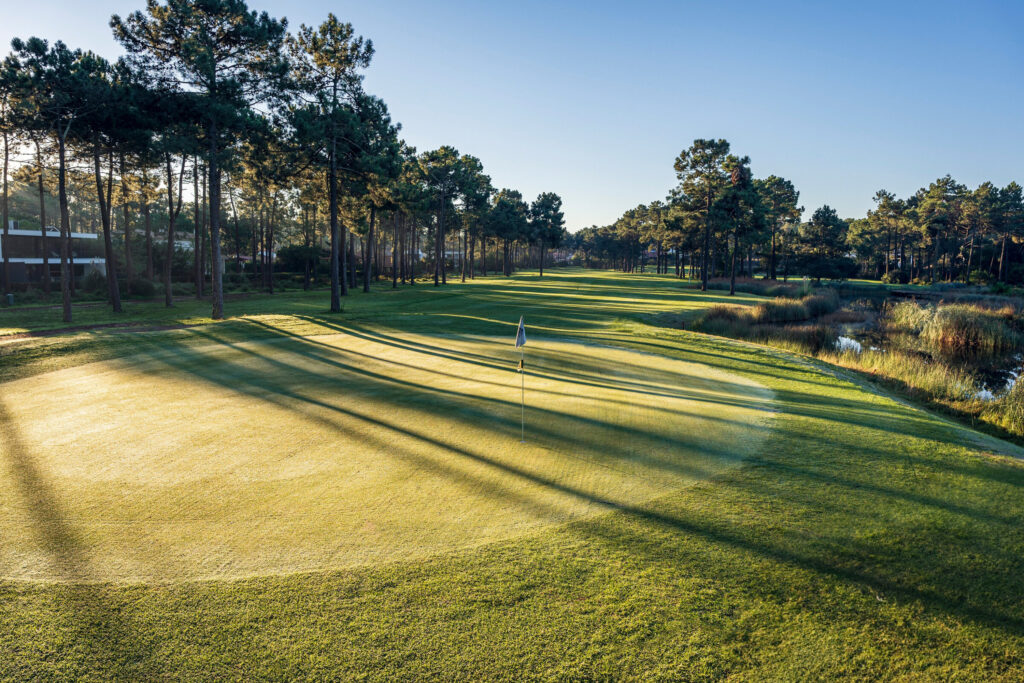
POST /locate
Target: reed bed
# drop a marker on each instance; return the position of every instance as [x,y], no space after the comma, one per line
[919,375]
[957,330]
[1007,411]
[775,321]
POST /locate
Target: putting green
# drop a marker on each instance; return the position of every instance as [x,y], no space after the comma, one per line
[294,454]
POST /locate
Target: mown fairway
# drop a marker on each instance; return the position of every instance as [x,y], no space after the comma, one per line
[685,507]
[301,453]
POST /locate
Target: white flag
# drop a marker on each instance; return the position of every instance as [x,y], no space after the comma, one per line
[521,334]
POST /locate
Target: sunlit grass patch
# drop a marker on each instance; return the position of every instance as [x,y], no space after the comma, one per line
[298,453]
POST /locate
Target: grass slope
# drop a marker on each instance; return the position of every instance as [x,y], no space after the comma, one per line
[863,539]
[310,452]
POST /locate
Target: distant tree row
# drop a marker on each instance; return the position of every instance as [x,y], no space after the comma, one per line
[221,123]
[712,223]
[942,232]
[721,221]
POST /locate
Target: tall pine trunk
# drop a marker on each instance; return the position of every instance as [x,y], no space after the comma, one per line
[65,225]
[1002,260]
[337,238]
[217,270]
[732,277]
[204,211]
[197,276]
[147,221]
[439,243]
[394,250]
[352,260]
[42,222]
[5,217]
[270,244]
[126,211]
[103,194]
[172,216]
[368,251]
[306,243]
[707,245]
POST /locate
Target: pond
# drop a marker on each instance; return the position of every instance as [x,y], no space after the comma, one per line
[994,374]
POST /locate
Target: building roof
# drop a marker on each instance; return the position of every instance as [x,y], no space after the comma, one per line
[51,232]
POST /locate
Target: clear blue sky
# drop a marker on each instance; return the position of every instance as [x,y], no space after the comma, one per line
[593,100]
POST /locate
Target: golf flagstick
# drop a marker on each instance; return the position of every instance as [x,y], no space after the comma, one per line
[522,399]
[521,345]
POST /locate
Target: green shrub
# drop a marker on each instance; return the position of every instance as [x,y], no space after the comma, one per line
[808,339]
[142,289]
[981,277]
[916,372]
[1009,410]
[34,295]
[956,329]
[896,277]
[724,321]
[756,286]
[95,282]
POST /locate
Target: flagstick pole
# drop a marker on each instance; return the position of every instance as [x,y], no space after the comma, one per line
[522,361]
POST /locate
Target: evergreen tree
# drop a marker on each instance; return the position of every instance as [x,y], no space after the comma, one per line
[230,58]
[547,223]
[701,173]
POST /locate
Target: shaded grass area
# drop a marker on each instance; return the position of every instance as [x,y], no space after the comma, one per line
[867,539]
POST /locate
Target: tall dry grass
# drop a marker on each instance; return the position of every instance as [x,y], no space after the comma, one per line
[919,375]
[958,329]
[775,322]
[1007,411]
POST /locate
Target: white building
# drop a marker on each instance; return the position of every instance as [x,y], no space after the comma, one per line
[26,249]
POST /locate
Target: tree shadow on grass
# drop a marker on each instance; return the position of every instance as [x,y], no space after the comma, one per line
[328,354]
[81,604]
[888,416]
[939,584]
[465,406]
[624,377]
[748,361]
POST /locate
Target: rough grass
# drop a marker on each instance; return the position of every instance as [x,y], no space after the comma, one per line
[957,330]
[866,539]
[920,377]
[1007,411]
[774,322]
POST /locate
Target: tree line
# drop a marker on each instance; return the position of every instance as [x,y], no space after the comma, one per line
[720,221]
[221,118]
